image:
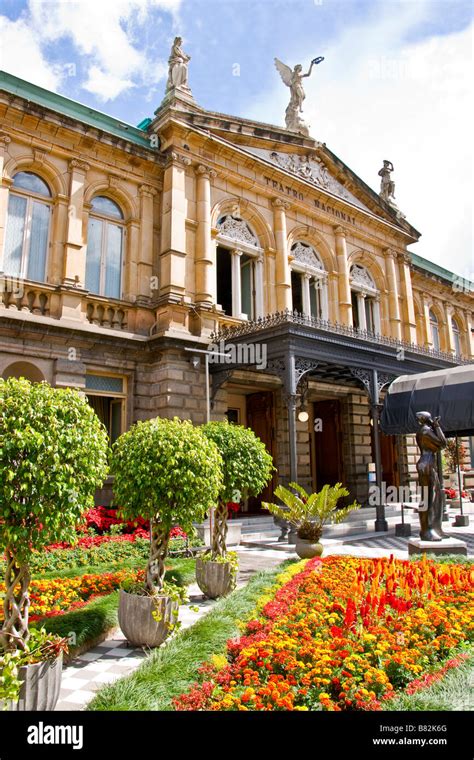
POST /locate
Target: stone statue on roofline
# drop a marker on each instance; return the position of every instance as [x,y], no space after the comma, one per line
[387,187]
[293,79]
[178,68]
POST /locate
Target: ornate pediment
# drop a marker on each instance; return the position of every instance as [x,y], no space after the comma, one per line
[237,229]
[310,168]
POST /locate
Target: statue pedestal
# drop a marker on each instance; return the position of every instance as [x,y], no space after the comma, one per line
[446,546]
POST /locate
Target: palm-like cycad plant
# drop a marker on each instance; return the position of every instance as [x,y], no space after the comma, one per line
[310,512]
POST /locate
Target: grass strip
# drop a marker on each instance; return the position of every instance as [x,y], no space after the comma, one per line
[172,669]
[452,692]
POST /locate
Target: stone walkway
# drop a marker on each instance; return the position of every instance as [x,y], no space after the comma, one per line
[113,659]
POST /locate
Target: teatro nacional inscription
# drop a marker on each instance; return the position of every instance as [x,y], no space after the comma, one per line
[275,185]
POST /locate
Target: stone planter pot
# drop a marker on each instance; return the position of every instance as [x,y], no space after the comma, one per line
[307,549]
[461,521]
[40,688]
[215,579]
[137,622]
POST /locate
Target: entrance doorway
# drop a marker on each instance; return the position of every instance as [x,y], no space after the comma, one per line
[326,449]
[389,458]
[260,419]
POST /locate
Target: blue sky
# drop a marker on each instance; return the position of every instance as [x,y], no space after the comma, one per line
[394,83]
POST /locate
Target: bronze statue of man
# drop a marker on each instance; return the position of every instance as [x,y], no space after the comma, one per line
[430,439]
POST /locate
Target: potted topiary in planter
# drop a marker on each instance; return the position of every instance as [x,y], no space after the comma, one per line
[53,456]
[308,513]
[247,468]
[168,472]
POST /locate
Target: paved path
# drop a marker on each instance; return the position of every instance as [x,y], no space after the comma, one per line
[113,659]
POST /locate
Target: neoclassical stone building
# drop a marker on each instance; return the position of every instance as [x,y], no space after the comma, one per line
[126,251]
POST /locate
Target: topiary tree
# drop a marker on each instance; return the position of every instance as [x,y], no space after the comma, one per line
[247,468]
[53,455]
[168,472]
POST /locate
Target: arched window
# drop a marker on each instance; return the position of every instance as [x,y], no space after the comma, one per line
[365,300]
[27,232]
[105,248]
[456,336]
[434,330]
[239,269]
[308,281]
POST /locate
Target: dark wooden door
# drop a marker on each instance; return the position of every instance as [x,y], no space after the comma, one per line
[327,443]
[260,419]
[388,452]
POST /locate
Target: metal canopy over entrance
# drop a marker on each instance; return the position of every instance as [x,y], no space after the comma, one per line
[298,347]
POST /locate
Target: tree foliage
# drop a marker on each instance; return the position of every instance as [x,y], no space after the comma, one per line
[53,455]
[247,464]
[166,470]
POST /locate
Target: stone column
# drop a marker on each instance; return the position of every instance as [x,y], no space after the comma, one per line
[361,311]
[394,306]
[377,320]
[333,286]
[408,304]
[426,322]
[259,287]
[75,250]
[306,295]
[345,303]
[236,284]
[5,140]
[322,286]
[449,328]
[282,268]
[204,261]
[145,251]
[173,229]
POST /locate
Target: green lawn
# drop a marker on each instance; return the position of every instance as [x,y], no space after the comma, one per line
[172,669]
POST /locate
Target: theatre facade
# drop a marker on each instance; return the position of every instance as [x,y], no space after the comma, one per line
[127,253]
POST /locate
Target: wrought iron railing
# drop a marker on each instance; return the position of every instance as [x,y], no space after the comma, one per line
[293,317]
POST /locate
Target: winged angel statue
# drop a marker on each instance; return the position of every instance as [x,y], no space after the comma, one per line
[293,80]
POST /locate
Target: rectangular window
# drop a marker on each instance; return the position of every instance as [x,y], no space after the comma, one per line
[94,252]
[113,265]
[38,242]
[355,310]
[15,236]
[104,383]
[369,314]
[224,280]
[247,286]
[297,292]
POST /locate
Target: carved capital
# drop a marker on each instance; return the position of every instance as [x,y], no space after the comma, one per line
[205,171]
[177,159]
[147,191]
[280,203]
[4,139]
[77,164]
[340,231]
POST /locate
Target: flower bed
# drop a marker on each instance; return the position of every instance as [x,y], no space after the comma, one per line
[342,633]
[58,595]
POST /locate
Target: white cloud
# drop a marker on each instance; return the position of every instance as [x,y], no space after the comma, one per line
[101,30]
[376,96]
[20,54]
